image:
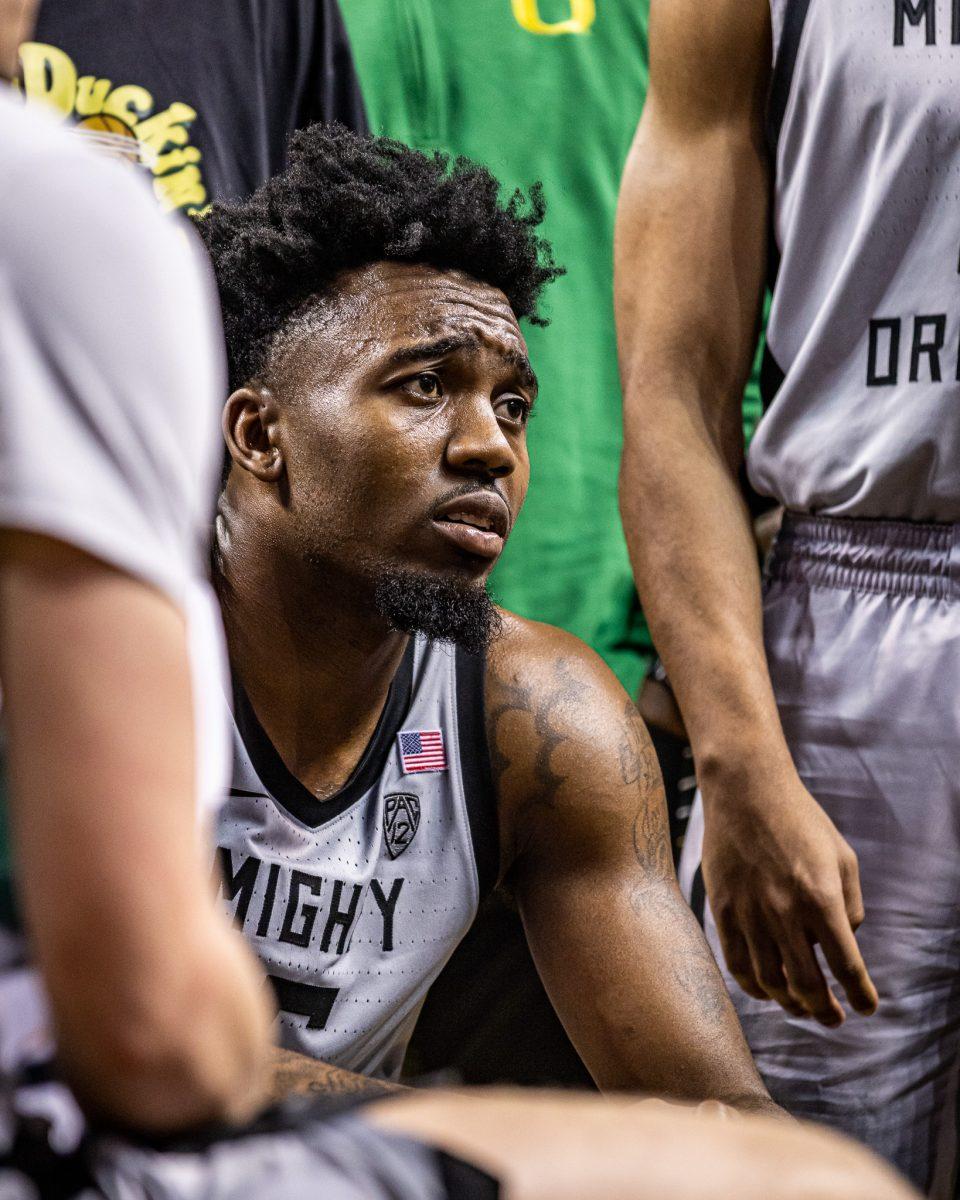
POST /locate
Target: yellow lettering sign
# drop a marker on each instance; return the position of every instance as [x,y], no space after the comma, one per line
[583,13]
[49,75]
[91,95]
[129,103]
[168,128]
[181,189]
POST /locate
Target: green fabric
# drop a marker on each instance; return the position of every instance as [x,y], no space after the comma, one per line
[465,76]
[545,90]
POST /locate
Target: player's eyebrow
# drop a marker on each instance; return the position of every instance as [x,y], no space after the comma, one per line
[528,377]
[440,347]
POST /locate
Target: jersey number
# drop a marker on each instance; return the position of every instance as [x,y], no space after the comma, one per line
[302,1000]
[583,13]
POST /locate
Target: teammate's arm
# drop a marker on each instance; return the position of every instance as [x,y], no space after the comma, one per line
[161,1017]
[690,239]
[586,849]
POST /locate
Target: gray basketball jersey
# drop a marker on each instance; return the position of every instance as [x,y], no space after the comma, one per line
[355,903]
[861,378]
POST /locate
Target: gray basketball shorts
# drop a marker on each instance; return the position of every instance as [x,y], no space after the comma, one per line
[862,633]
[298,1152]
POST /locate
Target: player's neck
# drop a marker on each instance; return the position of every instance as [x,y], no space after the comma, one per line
[316,667]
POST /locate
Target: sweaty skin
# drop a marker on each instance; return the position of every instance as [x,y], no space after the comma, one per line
[690,247]
[587,852]
[415,383]
[16,24]
[561,1146]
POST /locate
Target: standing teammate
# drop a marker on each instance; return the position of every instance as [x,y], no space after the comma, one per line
[384,780]
[826,734]
[206,106]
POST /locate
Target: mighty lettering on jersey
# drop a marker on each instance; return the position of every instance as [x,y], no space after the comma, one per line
[354,904]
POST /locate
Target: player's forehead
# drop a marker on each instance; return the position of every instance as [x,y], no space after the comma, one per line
[401,305]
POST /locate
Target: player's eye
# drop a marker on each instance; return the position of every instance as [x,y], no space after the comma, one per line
[428,384]
[514,409]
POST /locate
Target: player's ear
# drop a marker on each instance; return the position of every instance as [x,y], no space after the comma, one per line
[250,428]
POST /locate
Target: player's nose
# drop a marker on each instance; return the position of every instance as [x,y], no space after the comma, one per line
[477,441]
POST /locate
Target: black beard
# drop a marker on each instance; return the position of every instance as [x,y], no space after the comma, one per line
[441,608]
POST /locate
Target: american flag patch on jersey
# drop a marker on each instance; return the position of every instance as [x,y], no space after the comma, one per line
[422,750]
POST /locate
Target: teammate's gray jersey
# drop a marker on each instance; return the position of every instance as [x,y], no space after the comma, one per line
[864,330]
[355,903]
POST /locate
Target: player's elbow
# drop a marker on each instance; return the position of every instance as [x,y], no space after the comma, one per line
[188,1047]
[152,1078]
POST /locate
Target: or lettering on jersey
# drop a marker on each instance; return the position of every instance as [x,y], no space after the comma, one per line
[583,13]
[238,883]
[927,333]
[316,911]
[388,906]
[401,820]
[924,12]
[341,918]
[304,1000]
[421,750]
[296,910]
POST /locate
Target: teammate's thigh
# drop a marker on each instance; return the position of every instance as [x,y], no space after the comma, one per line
[864,686]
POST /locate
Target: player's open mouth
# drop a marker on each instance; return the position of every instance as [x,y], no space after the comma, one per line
[477,523]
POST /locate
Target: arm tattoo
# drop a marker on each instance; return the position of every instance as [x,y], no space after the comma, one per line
[696,971]
[509,695]
[639,766]
[693,965]
[297,1075]
[638,759]
[512,696]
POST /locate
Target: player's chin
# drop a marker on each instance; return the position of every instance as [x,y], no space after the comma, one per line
[466,570]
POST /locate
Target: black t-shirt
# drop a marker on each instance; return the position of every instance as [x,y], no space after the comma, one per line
[205,94]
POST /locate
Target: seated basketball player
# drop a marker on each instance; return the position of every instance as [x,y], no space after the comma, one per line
[401,745]
[108,390]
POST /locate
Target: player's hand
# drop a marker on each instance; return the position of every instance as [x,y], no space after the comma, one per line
[781,879]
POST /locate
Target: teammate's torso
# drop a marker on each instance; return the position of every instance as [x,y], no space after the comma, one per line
[865,322]
[207,104]
[355,903]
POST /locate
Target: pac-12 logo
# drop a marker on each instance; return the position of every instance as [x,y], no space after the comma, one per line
[401,820]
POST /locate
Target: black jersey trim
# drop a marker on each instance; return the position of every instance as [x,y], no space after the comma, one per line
[783,69]
[794,21]
[478,789]
[287,791]
[771,377]
[698,896]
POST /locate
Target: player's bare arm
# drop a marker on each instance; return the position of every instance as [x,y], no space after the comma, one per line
[72,632]
[298,1075]
[586,849]
[690,245]
[539,1143]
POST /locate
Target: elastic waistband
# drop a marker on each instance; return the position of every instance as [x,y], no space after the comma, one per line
[902,558]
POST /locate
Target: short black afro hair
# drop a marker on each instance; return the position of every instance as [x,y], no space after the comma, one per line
[346,200]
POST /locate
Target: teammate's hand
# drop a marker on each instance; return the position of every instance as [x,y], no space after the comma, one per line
[781,879]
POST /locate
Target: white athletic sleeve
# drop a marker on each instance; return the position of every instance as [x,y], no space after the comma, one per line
[111,370]
[111,382]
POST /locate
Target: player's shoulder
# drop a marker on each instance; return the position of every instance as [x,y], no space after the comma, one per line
[548,663]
